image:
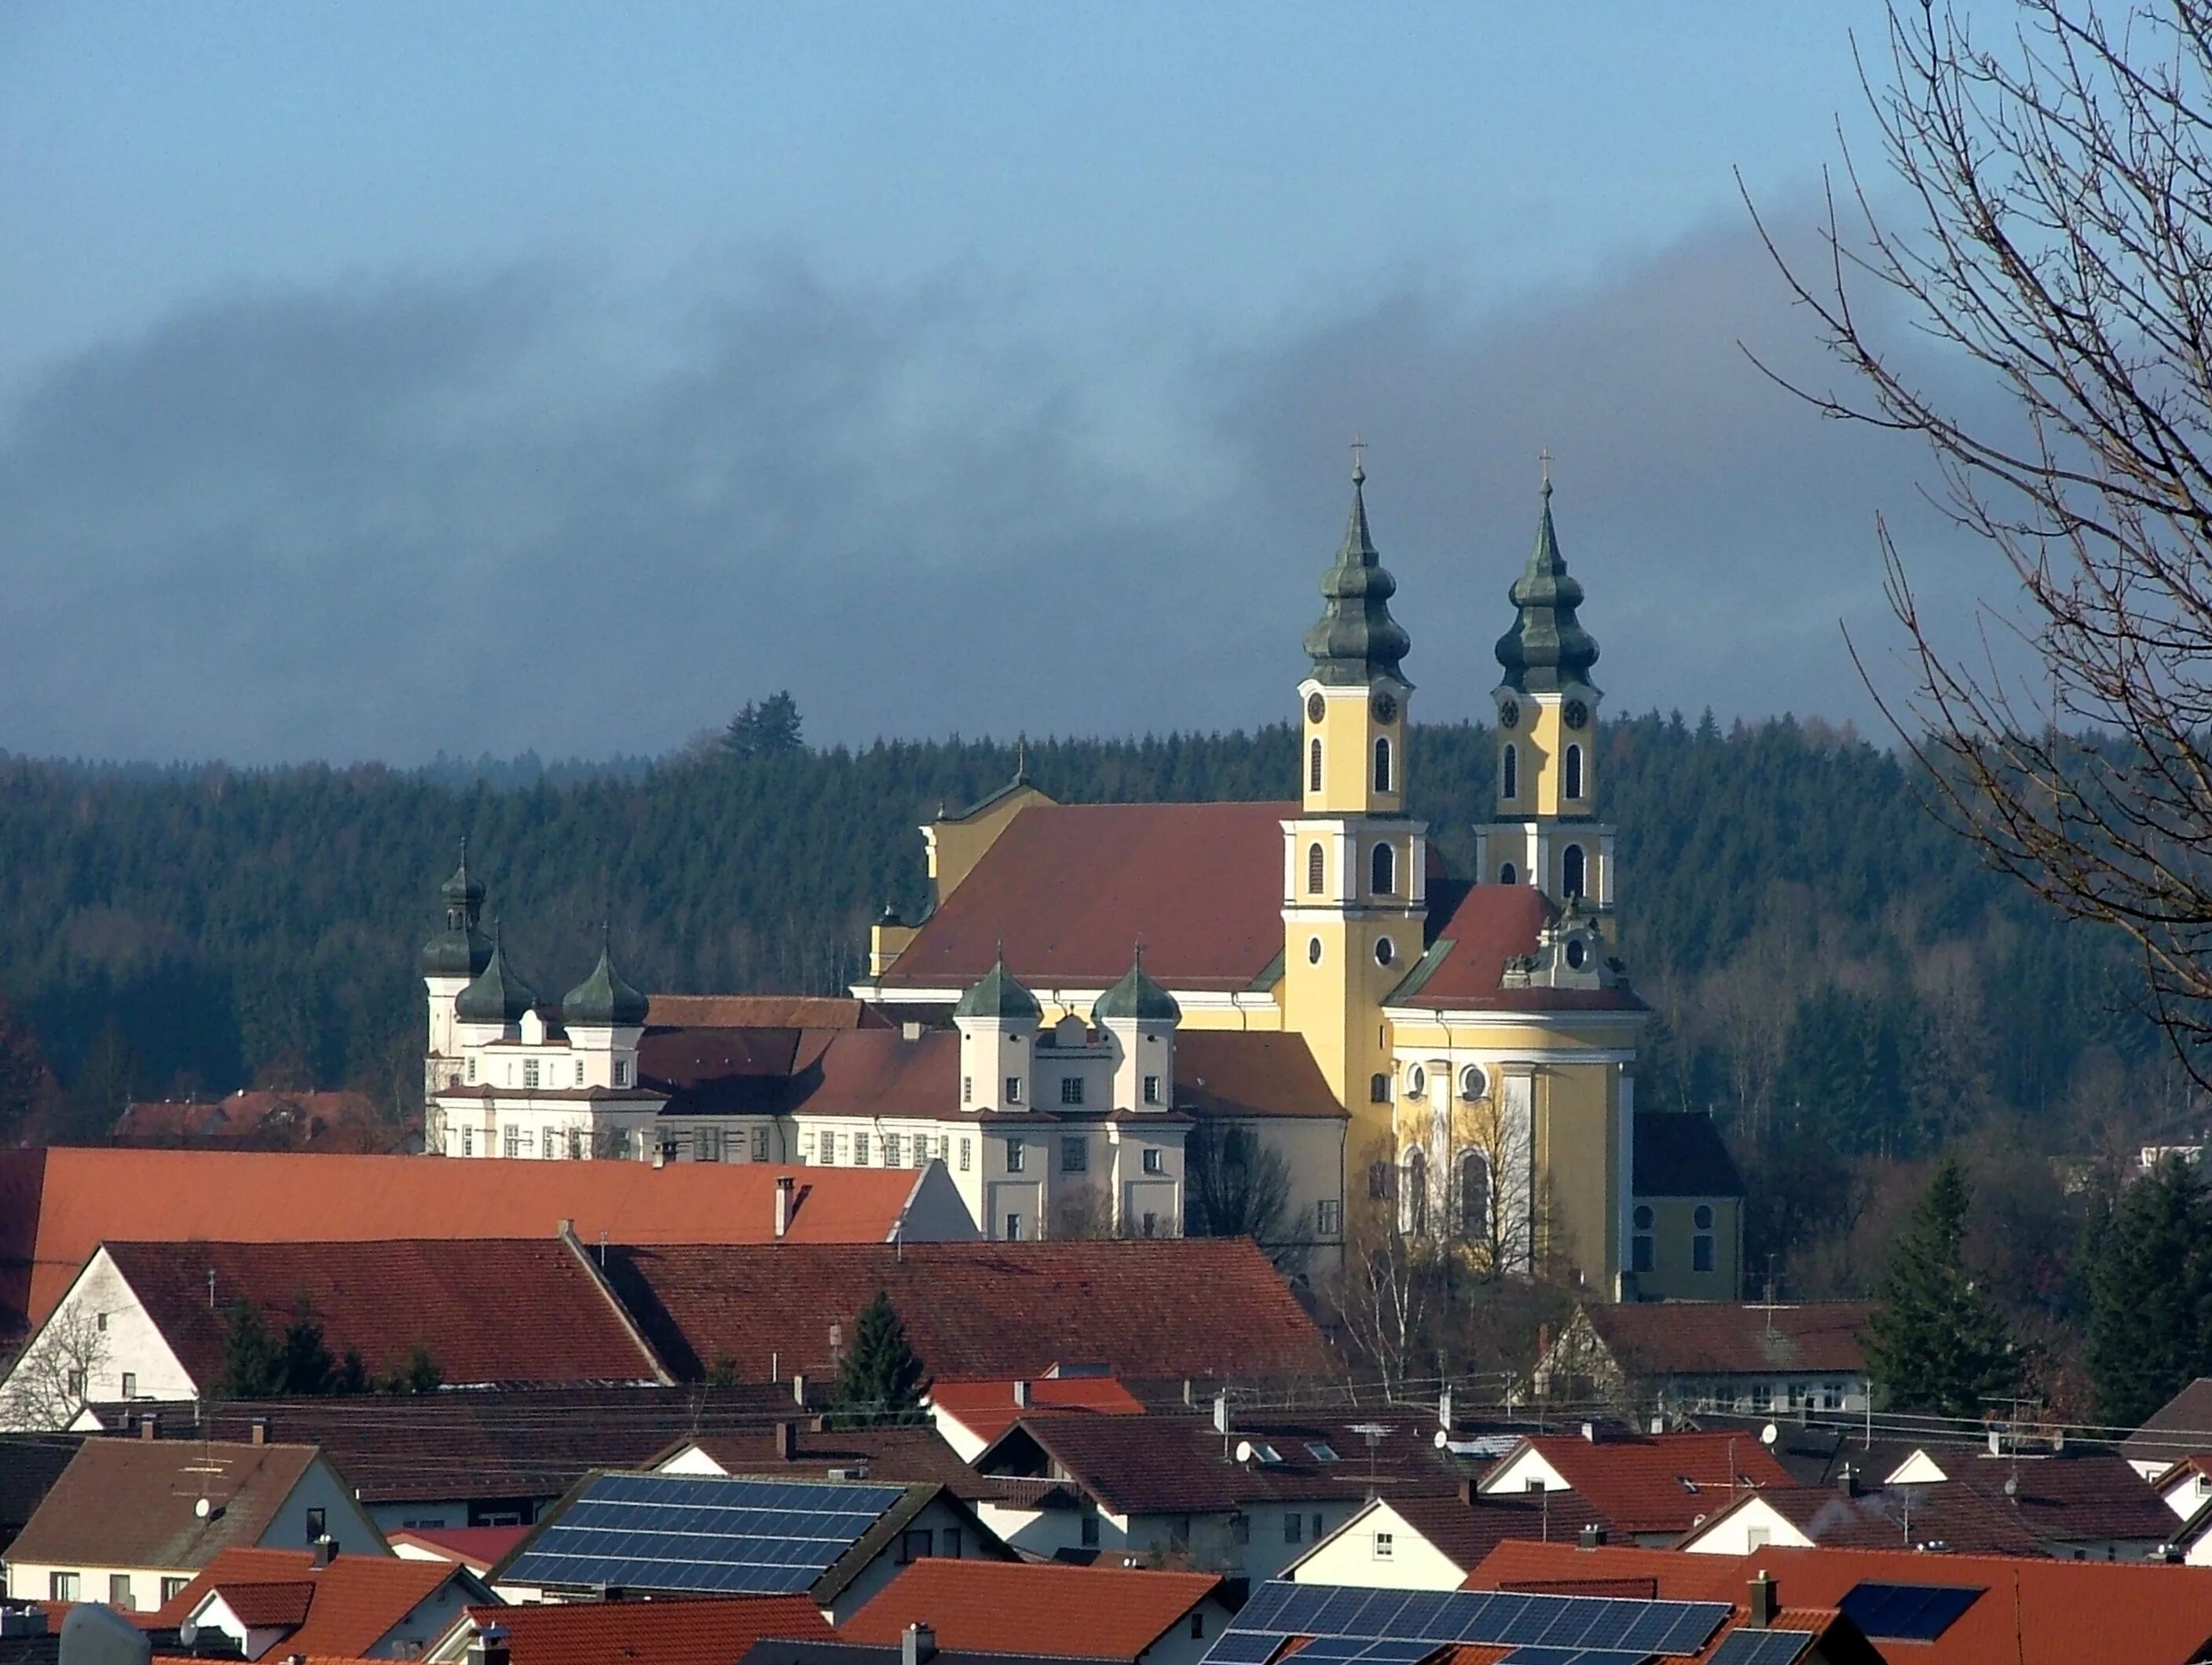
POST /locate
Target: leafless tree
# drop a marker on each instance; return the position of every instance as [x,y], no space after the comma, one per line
[1396,1284]
[2056,243]
[55,1373]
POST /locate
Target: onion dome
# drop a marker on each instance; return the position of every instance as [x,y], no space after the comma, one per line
[498,995]
[460,950]
[1546,649]
[602,1000]
[999,995]
[1356,641]
[1137,998]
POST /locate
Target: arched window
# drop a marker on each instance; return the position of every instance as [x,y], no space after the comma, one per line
[1382,764]
[1413,1194]
[1571,870]
[1313,767]
[1507,874]
[1316,869]
[1510,773]
[1378,1089]
[1574,771]
[1417,1083]
[1472,1083]
[1384,870]
[1474,1193]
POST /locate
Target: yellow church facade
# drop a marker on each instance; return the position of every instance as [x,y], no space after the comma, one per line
[1455,1054]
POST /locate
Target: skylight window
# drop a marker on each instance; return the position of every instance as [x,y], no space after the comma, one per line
[1323,1452]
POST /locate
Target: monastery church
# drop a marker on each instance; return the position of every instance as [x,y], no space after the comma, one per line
[1460,1049]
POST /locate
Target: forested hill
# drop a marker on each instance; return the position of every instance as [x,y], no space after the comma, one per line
[1834,972]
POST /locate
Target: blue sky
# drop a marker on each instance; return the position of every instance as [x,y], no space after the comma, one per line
[406,377]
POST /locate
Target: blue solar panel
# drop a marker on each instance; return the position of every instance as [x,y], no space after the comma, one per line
[1269,1599]
[1750,1647]
[1243,1647]
[1906,1613]
[707,1534]
[1599,1627]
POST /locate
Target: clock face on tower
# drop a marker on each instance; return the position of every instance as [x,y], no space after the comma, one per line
[1577,714]
[1386,708]
[1314,707]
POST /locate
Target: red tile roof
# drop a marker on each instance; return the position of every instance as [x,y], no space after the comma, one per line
[347,1607]
[1463,1532]
[1653,1483]
[987,1409]
[1033,1607]
[1069,888]
[1492,924]
[895,1456]
[476,1548]
[1898,1517]
[786,1011]
[57,1205]
[2033,1611]
[1161,1308]
[666,1631]
[497,1310]
[267,1119]
[1728,1337]
[1226,1072]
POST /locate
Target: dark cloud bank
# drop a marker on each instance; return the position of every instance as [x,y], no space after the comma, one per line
[499,515]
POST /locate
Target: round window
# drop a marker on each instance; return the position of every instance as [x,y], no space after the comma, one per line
[1509,715]
[1472,1083]
[1644,1218]
[1577,951]
[1704,1216]
[1385,950]
[1417,1082]
[1314,707]
[1313,951]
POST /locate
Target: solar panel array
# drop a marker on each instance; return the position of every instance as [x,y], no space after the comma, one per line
[1544,1629]
[682,1532]
[1750,1647]
[1906,1613]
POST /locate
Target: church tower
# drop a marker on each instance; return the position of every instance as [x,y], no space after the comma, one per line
[1354,895]
[1544,830]
[451,960]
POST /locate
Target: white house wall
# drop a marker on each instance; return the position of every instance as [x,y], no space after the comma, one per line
[130,1344]
[1405,1561]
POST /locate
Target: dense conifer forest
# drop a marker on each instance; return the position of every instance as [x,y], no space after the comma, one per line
[1835,978]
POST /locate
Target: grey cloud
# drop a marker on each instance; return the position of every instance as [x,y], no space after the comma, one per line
[496,515]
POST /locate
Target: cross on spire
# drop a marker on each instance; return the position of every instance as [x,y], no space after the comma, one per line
[1358,459]
[1544,457]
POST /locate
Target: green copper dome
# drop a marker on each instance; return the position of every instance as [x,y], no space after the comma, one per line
[1356,641]
[1546,649]
[460,950]
[602,1000]
[1000,996]
[498,995]
[1137,998]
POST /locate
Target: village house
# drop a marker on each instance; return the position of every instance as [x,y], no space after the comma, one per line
[666,1631]
[1434,1541]
[1679,1359]
[132,1522]
[1050,1610]
[323,1603]
[1650,1489]
[971,1415]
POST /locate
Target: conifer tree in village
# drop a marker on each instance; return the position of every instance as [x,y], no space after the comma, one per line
[1935,1342]
[305,1362]
[882,1379]
[253,1358]
[2150,1294]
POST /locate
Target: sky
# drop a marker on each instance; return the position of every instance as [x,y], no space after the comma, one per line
[379,381]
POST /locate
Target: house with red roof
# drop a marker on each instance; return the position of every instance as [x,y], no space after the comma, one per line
[971,1415]
[1433,1540]
[153,1321]
[1049,1609]
[1112,1017]
[321,1601]
[669,1629]
[1677,1358]
[1650,1488]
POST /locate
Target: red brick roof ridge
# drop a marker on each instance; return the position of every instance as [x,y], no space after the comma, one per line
[1037,1607]
[668,1630]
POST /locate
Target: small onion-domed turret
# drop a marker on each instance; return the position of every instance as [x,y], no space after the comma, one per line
[498,995]
[1137,998]
[603,1001]
[460,950]
[999,995]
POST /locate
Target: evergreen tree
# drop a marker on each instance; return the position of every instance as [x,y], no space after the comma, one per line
[352,1374]
[882,1379]
[306,1364]
[419,1375]
[1935,1340]
[2150,1295]
[770,729]
[253,1358]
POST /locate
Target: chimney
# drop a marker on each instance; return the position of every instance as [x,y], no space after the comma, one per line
[1467,1490]
[149,1426]
[1590,1432]
[786,1441]
[1764,1605]
[492,1648]
[1190,1392]
[259,1435]
[1593,1536]
[1021,1399]
[917,1645]
[1847,1482]
[798,1388]
[784,1187]
[325,1547]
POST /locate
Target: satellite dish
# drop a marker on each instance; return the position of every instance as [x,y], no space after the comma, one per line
[200,1507]
[188,1633]
[1768,1435]
[1243,1450]
[2012,1485]
[1442,1439]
